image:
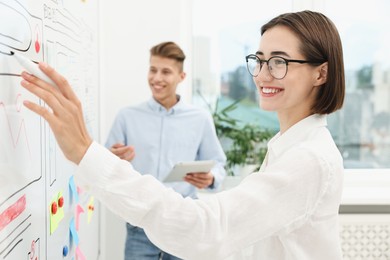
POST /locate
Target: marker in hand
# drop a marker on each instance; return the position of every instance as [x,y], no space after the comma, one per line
[32,68]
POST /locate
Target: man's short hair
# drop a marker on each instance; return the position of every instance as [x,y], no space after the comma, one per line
[169,50]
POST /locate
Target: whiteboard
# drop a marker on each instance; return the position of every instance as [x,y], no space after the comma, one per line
[43,215]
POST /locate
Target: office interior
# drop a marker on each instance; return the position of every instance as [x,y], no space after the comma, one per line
[129,28]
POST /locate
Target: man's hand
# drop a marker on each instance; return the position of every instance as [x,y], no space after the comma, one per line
[122,151]
[200,180]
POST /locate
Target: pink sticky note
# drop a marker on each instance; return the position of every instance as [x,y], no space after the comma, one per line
[79,190]
[79,254]
[79,210]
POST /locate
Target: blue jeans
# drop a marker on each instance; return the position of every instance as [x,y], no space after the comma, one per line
[139,247]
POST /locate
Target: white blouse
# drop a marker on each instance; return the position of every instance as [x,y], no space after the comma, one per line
[289,210]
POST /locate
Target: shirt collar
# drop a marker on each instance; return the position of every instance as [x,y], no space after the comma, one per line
[295,134]
[157,107]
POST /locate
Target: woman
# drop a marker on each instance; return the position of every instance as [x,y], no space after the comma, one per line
[289,210]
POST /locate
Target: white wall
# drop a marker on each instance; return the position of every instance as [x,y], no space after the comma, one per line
[128,29]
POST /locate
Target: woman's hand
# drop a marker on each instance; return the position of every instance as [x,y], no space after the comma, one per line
[65,117]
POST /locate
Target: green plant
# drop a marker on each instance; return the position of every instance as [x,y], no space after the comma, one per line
[243,143]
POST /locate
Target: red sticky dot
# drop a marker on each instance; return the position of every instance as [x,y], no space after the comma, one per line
[37,45]
[61,202]
[54,208]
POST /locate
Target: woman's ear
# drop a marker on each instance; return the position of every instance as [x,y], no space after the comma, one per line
[322,74]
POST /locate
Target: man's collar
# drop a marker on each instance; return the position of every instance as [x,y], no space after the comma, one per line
[157,107]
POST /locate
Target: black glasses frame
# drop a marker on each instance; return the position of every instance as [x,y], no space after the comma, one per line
[287,61]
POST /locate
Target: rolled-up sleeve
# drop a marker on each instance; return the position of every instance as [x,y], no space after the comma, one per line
[262,205]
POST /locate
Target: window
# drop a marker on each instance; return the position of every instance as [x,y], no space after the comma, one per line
[362,128]
[224,32]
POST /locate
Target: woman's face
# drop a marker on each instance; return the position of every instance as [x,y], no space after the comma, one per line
[294,94]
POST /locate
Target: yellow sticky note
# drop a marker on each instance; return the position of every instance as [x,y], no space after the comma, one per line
[56,209]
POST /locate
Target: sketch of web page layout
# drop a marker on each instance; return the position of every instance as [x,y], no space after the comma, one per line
[33,171]
[70,47]
[20,129]
[21,177]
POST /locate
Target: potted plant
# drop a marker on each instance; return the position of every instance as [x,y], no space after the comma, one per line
[245,145]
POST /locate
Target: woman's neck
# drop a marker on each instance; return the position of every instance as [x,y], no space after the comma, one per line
[287,120]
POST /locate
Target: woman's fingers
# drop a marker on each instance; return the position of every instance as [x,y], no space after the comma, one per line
[66,119]
[42,93]
[45,87]
[37,81]
[61,82]
[67,97]
[43,112]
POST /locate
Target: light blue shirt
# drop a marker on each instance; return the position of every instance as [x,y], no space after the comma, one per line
[162,138]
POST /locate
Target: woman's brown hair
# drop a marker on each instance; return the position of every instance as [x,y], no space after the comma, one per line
[320,40]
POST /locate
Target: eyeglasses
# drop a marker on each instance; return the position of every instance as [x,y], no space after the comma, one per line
[277,66]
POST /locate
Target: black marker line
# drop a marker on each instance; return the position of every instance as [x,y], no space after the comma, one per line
[61,32]
[7,53]
[17,11]
[16,192]
[67,27]
[25,9]
[10,74]
[13,248]
[66,47]
[21,223]
[9,37]
[21,232]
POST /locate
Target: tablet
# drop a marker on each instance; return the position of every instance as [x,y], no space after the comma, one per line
[182,168]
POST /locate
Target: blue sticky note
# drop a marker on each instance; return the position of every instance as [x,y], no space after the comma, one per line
[73,189]
[73,232]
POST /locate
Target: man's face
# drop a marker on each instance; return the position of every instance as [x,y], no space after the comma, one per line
[164,75]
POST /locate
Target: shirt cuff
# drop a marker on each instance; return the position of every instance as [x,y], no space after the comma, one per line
[96,163]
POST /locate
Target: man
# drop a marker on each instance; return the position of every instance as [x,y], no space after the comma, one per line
[161,132]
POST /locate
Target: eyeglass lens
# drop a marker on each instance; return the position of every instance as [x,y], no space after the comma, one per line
[277,66]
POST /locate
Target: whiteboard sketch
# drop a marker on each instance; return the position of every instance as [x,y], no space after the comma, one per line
[43,214]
